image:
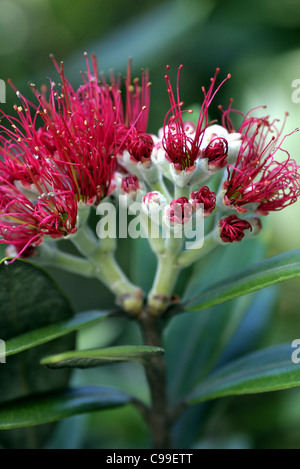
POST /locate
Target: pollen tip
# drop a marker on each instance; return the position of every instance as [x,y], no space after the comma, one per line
[218,70]
[229,76]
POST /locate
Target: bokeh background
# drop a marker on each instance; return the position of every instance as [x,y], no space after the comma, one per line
[258,42]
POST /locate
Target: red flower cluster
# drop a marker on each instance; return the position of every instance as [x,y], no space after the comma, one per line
[64,151]
[45,172]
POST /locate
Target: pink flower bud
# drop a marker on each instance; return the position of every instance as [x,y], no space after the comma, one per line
[179,211]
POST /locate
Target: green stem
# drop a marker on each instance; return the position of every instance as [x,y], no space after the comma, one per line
[182,192]
[85,241]
[53,257]
[153,233]
[166,275]
[155,368]
[101,256]
[198,250]
[160,186]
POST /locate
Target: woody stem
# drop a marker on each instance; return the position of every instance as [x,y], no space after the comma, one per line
[155,368]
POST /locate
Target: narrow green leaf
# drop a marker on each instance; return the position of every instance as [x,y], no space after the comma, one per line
[203,342]
[49,407]
[48,333]
[203,336]
[270,369]
[99,357]
[276,269]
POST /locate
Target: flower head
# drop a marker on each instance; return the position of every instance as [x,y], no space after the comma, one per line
[232,228]
[133,117]
[24,223]
[258,178]
[182,141]
[76,147]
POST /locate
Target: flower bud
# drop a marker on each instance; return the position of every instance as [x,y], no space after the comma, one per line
[179,212]
[232,228]
[206,197]
[153,202]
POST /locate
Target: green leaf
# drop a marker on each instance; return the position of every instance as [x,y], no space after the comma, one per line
[276,269]
[222,262]
[270,369]
[30,300]
[48,333]
[99,357]
[256,324]
[204,335]
[2,252]
[49,407]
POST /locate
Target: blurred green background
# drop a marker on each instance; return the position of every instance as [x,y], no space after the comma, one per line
[258,42]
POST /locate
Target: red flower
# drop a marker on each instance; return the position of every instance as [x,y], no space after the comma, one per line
[257,176]
[130,184]
[24,223]
[232,228]
[76,148]
[206,197]
[181,141]
[133,118]
[179,211]
[216,153]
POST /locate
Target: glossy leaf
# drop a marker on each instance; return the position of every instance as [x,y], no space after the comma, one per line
[268,272]
[204,335]
[99,357]
[255,325]
[30,300]
[48,333]
[49,407]
[271,369]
